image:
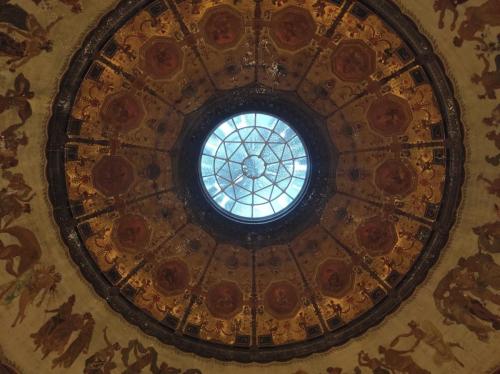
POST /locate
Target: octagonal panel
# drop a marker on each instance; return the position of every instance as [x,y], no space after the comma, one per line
[335,277]
[389,115]
[222,27]
[171,277]
[292,28]
[281,300]
[353,61]
[224,300]
[161,58]
[131,232]
[377,236]
[112,175]
[395,177]
[122,112]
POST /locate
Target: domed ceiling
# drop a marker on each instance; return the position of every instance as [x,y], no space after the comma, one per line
[139,270]
[381,98]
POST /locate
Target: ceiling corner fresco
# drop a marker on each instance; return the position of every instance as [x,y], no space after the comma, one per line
[111,259]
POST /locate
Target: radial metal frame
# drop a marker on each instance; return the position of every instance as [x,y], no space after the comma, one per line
[218,187]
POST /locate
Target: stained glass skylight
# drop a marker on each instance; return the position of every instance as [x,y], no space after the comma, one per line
[254,166]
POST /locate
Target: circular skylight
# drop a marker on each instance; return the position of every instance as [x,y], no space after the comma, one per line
[254,167]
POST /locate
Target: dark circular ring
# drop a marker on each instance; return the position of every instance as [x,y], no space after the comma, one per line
[304,121]
[435,240]
[271,217]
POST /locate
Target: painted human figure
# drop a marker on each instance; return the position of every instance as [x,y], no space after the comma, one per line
[144,357]
[12,206]
[7,369]
[61,314]
[43,280]
[14,199]
[171,278]
[281,297]
[221,29]
[458,298]
[374,364]
[479,310]
[400,361]
[293,30]
[332,370]
[495,138]
[486,272]
[488,237]
[78,346]
[476,19]
[352,62]
[10,140]
[26,251]
[493,185]
[102,362]
[442,6]
[17,184]
[489,79]
[22,37]
[59,337]
[494,119]
[390,119]
[225,301]
[430,335]
[18,98]
[74,5]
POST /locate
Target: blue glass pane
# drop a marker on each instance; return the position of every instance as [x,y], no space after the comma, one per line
[254,166]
